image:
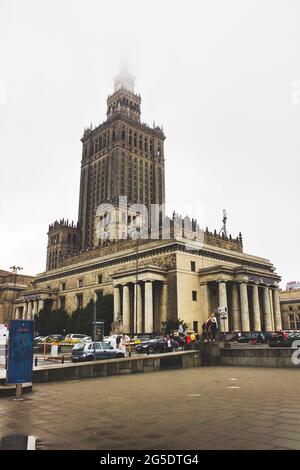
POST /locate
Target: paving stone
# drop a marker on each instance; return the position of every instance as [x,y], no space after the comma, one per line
[175,409]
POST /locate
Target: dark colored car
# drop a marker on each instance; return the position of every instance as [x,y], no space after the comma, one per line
[152,346]
[95,350]
[284,340]
[251,338]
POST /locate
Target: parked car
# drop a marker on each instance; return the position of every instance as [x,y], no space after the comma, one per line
[283,340]
[154,345]
[112,340]
[140,339]
[52,338]
[251,338]
[95,350]
[74,338]
[39,339]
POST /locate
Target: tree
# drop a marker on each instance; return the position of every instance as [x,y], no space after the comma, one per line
[82,318]
[173,325]
[49,322]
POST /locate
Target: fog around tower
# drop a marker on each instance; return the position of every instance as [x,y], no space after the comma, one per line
[221,77]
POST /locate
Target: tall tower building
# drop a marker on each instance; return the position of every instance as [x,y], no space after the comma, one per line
[121,157]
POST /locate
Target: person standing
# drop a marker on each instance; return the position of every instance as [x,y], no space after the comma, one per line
[213,327]
[123,343]
[118,341]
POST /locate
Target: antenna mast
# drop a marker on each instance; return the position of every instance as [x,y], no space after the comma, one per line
[224,226]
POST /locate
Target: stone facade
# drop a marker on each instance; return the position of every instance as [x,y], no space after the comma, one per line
[290,309]
[186,275]
[11,286]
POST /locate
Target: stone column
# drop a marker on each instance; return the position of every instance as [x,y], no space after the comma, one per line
[272,309]
[236,312]
[277,311]
[40,305]
[244,307]
[138,309]
[164,302]
[267,310]
[256,308]
[204,302]
[17,313]
[29,310]
[35,308]
[126,309]
[25,311]
[148,307]
[117,302]
[223,303]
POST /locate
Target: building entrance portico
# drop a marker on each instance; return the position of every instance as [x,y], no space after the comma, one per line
[251,298]
[140,300]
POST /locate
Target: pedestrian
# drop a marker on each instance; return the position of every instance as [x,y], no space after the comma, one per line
[169,347]
[213,327]
[204,332]
[188,341]
[118,341]
[123,343]
[207,326]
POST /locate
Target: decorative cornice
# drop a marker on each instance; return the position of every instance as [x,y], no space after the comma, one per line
[175,247]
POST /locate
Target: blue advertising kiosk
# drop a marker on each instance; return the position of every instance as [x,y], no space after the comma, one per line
[20,353]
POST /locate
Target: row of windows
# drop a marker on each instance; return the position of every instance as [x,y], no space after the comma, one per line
[54,240]
[79,298]
[294,322]
[294,308]
[194,298]
[80,282]
[139,141]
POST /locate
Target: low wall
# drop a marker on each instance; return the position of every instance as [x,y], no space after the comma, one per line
[257,357]
[132,365]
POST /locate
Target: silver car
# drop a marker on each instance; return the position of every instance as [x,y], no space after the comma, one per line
[95,351]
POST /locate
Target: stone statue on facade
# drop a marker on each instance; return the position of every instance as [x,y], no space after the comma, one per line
[117,325]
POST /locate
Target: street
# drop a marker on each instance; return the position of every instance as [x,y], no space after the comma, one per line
[203,408]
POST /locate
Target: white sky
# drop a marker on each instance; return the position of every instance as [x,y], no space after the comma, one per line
[221,76]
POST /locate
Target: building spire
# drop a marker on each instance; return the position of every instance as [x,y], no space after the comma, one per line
[124,79]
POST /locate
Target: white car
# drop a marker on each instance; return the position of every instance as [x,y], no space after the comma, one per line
[112,340]
[77,337]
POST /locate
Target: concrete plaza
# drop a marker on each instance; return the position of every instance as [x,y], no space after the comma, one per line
[200,408]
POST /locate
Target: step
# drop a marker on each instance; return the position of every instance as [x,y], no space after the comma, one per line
[10,390]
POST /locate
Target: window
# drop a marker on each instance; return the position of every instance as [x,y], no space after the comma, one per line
[80,282]
[297,322]
[290,309]
[79,300]
[62,302]
[63,286]
[194,295]
[195,326]
[292,322]
[193,266]
[100,278]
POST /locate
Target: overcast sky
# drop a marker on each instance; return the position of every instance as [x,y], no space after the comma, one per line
[222,76]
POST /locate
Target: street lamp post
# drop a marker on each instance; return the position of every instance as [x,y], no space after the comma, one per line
[15,270]
[138,230]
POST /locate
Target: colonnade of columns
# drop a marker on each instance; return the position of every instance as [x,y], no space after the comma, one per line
[28,309]
[134,302]
[263,316]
